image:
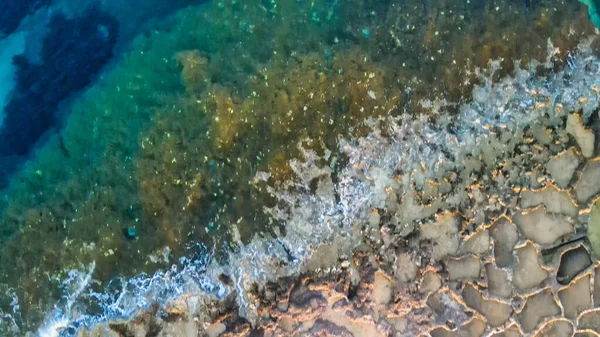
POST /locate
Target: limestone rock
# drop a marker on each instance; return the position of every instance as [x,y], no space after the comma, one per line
[498,282]
[409,211]
[287,323]
[446,305]
[555,200]
[473,328]
[383,288]
[541,227]
[467,267]
[496,312]
[505,236]
[597,287]
[584,137]
[556,328]
[215,329]
[541,134]
[99,330]
[589,320]
[576,297]
[562,167]
[339,318]
[477,243]
[399,323]
[442,331]
[528,273]
[406,268]
[147,325]
[511,331]
[324,257]
[443,234]
[181,328]
[537,307]
[587,186]
[430,282]
[572,262]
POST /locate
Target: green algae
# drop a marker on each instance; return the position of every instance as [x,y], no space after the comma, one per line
[169,140]
[593,229]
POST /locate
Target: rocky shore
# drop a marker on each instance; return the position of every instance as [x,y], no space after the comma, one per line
[489,229]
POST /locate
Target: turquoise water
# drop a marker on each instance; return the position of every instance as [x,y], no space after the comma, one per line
[157,159]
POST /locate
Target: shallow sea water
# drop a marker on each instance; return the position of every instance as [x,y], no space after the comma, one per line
[155,168]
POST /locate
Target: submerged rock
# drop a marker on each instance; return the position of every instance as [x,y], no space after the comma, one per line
[12,12]
[72,54]
[572,262]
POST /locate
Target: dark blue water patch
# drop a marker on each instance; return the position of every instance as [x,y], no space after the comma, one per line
[12,12]
[74,51]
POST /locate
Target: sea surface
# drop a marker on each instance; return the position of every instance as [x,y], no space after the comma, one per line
[141,144]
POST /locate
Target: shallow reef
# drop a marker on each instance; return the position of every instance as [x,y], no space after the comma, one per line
[73,52]
[12,12]
[169,143]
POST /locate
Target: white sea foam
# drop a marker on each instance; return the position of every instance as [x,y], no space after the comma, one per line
[123,297]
